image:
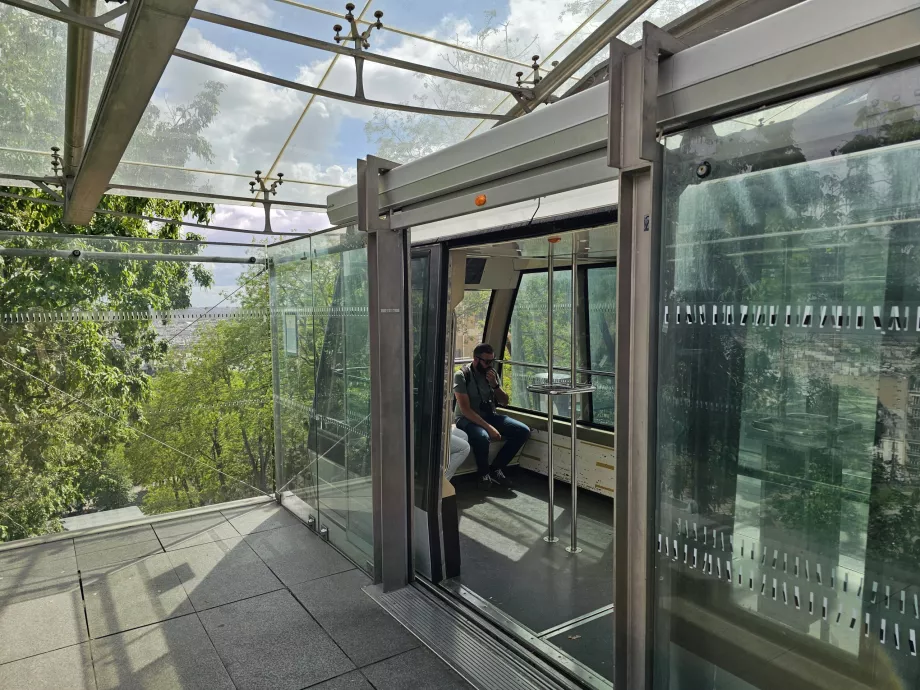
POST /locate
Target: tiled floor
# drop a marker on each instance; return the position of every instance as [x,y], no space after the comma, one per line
[247,598]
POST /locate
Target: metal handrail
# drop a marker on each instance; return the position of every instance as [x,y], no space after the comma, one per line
[590,372]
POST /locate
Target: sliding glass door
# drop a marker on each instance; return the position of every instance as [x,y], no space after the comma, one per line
[788,452]
[320,289]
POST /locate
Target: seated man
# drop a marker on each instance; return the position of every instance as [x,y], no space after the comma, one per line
[478,390]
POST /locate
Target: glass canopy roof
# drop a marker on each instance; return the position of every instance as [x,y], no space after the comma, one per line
[236,100]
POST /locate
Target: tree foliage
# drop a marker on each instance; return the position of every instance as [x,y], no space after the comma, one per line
[75,390]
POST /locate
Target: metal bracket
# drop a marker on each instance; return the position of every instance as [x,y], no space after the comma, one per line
[324,533]
[656,43]
[369,219]
[361,41]
[537,77]
[267,191]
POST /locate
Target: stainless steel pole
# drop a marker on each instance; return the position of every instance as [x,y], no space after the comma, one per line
[446,431]
[274,315]
[550,527]
[573,400]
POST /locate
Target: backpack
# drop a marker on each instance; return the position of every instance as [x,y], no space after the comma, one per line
[467,377]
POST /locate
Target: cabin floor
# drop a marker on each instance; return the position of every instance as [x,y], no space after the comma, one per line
[565,599]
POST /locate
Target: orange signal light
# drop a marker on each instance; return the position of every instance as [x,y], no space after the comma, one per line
[480,200]
[554,240]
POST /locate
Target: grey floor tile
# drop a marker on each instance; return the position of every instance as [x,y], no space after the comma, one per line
[119,554]
[40,579]
[364,631]
[419,669]
[221,572]
[350,681]
[129,595]
[260,518]
[296,555]
[271,642]
[70,668]
[36,555]
[114,539]
[170,655]
[204,535]
[39,625]
[188,525]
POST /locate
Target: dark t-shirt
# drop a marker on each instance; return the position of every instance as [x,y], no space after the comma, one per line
[482,397]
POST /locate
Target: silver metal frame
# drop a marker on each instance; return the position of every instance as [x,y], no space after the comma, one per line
[84,255]
[635,151]
[153,219]
[79,74]
[152,32]
[573,409]
[621,18]
[392,456]
[75,19]
[274,316]
[550,467]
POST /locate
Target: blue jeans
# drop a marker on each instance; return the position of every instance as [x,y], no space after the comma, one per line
[513,433]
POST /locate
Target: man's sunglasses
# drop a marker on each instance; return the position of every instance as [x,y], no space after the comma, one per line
[486,361]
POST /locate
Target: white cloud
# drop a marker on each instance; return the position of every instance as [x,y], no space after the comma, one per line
[256,118]
[247,10]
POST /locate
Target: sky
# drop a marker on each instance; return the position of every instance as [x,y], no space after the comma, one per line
[256,119]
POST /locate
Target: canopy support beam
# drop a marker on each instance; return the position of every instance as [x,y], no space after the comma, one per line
[624,15]
[151,34]
[79,72]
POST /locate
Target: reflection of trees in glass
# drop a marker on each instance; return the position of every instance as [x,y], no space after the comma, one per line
[32,107]
[819,422]
[602,324]
[527,337]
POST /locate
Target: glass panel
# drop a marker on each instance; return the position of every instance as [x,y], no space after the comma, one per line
[470,318]
[787,416]
[31,92]
[425,407]
[602,325]
[133,380]
[321,288]
[205,119]
[341,422]
[292,309]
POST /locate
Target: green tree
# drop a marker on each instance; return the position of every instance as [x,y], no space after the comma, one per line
[213,404]
[73,390]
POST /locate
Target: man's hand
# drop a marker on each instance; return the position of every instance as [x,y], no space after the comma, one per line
[493,433]
[492,378]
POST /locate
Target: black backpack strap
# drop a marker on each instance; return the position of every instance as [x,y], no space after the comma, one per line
[467,373]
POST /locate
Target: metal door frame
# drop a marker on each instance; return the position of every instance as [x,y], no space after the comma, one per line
[777,59]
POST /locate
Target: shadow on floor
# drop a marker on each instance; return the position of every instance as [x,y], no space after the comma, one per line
[240,598]
[505,560]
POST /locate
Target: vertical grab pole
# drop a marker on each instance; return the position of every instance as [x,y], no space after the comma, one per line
[550,527]
[573,400]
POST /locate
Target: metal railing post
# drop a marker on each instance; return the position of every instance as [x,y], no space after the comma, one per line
[551,469]
[573,401]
